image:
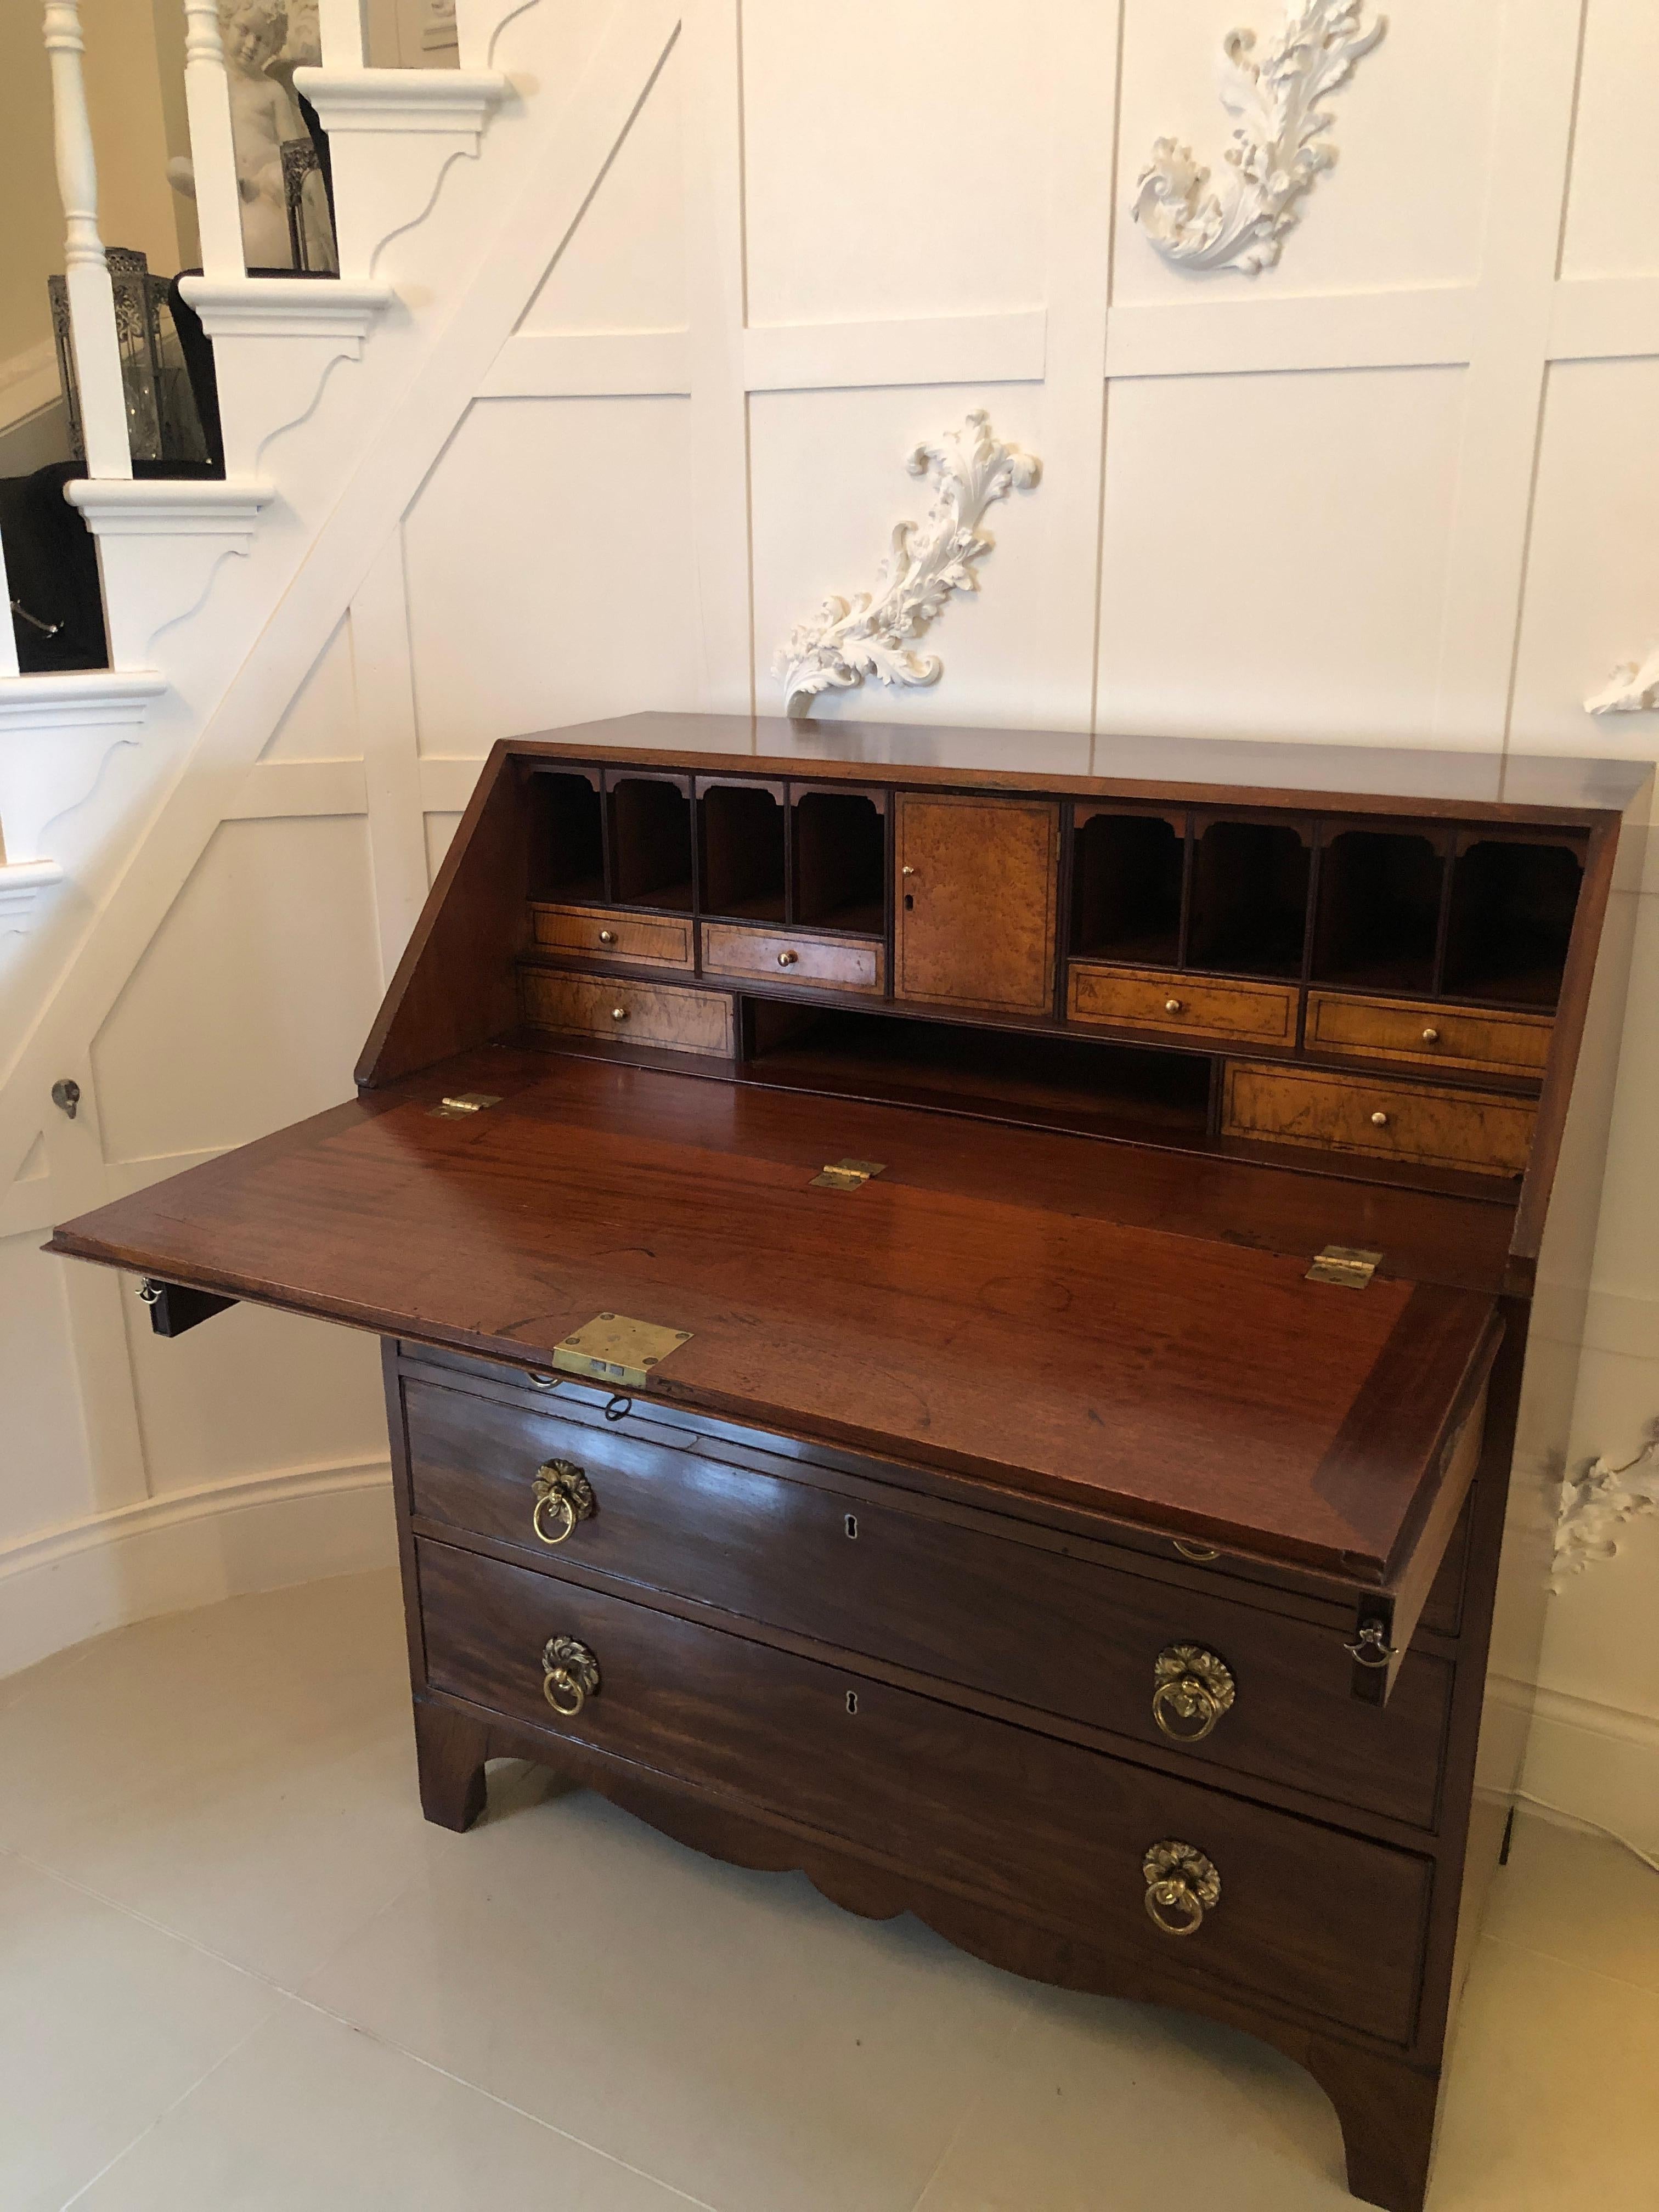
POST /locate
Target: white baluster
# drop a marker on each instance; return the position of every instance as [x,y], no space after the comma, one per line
[212,148]
[8,647]
[91,301]
[341,22]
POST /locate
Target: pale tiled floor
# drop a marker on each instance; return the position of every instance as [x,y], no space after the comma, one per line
[240,1972]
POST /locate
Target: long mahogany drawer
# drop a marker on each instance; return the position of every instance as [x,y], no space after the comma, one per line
[1430,1126]
[1176,1004]
[1426,1035]
[639,1013]
[835,963]
[982,1610]
[1327,1922]
[607,935]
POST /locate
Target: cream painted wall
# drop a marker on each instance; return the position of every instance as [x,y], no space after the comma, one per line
[1400,488]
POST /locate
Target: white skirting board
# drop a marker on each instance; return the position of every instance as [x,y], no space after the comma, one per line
[1595,1762]
[171,1553]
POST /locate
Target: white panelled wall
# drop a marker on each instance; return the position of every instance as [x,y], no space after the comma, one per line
[1403,487]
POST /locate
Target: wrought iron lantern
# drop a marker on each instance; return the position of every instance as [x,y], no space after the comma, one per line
[162,424]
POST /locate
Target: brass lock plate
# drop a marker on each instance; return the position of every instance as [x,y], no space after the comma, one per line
[464,1102]
[613,1347]
[846,1175]
[1345,1265]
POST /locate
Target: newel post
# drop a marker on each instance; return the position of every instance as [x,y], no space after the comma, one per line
[212,148]
[91,300]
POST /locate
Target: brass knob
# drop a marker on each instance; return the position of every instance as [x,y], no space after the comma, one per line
[607,937]
[619,1013]
[788,959]
[1379,1121]
[1172,1005]
[1182,1885]
[1200,1555]
[564,1496]
[1192,1686]
[1430,1037]
[570,1675]
[906,871]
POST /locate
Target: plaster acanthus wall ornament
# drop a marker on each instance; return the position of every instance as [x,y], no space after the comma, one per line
[1276,152]
[1594,1506]
[1632,689]
[871,634]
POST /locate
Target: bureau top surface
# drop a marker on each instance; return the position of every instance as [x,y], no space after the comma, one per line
[1083,1321]
[1385,779]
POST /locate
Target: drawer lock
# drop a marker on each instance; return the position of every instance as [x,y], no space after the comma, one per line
[1191,1690]
[564,1496]
[1182,1886]
[570,1675]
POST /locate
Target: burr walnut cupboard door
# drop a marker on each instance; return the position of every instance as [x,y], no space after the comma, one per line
[976,901]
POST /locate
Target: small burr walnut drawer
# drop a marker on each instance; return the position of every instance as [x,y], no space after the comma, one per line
[980,1607]
[835,963]
[1423,1124]
[1427,1036]
[1176,1005]
[1251,1897]
[603,934]
[636,1013]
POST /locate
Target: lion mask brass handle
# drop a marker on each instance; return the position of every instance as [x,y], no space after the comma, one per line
[1182,1886]
[1191,1690]
[570,1675]
[564,1496]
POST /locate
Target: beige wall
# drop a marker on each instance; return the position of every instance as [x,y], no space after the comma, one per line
[129,137]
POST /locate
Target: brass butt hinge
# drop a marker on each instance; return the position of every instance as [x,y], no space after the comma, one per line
[614,1348]
[1345,1266]
[846,1175]
[463,1103]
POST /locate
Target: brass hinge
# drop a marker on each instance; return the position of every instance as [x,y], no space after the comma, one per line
[613,1348]
[846,1175]
[463,1103]
[1345,1265]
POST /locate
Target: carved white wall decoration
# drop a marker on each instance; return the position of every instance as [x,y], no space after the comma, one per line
[1595,1504]
[1276,152]
[870,635]
[1632,689]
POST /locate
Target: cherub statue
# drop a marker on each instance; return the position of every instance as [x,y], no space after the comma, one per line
[262,117]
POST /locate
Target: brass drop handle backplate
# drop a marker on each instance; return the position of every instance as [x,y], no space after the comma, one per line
[1192,1688]
[564,1496]
[788,959]
[1182,1886]
[570,1675]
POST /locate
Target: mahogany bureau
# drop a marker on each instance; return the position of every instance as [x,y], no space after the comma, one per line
[962,1330]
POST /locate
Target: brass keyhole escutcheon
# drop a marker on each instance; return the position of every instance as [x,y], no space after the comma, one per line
[1192,1688]
[1182,1886]
[564,1496]
[570,1675]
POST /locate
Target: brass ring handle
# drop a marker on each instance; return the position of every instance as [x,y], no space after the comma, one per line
[564,1496]
[1182,1881]
[788,959]
[1190,1685]
[1200,1555]
[607,937]
[570,1675]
